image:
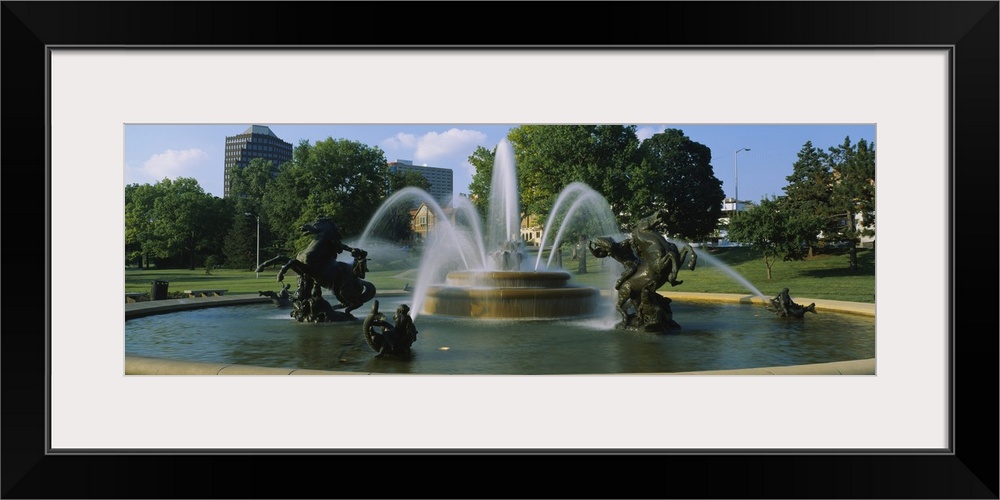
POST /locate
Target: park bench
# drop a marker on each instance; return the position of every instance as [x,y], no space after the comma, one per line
[205,293]
[132,297]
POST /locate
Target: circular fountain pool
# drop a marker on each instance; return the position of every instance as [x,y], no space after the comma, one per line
[714,336]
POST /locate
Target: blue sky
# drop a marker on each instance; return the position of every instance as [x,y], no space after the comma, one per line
[155,152]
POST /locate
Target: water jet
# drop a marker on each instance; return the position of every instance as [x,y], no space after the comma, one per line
[471,272]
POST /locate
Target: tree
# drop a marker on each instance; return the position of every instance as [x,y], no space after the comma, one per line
[211,262]
[808,194]
[853,193]
[769,230]
[676,175]
[283,199]
[139,200]
[407,178]
[479,190]
[339,178]
[181,223]
[240,246]
[248,187]
[614,158]
[550,157]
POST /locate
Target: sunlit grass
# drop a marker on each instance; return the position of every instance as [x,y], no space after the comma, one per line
[825,276]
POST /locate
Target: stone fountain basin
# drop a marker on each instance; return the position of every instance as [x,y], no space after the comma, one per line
[508,279]
[511,294]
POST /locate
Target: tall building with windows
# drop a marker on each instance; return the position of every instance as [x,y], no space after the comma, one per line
[441,179]
[256,142]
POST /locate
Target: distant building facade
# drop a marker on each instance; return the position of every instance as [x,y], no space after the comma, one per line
[256,142]
[441,179]
[531,230]
[423,219]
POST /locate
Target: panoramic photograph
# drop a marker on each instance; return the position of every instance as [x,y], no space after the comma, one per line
[499,249]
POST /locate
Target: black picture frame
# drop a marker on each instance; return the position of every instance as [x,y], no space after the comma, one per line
[969,28]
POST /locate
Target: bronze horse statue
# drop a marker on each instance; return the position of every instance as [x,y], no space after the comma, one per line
[650,261]
[319,268]
[653,248]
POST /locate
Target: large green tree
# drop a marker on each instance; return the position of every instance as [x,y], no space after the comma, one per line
[479,190]
[183,224]
[283,201]
[248,187]
[339,178]
[550,157]
[139,216]
[240,246]
[808,193]
[676,175]
[614,157]
[407,178]
[769,230]
[853,193]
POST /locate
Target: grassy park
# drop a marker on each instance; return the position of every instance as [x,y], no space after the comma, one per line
[824,276]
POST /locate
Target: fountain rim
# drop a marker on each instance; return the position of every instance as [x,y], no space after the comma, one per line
[148,308]
[497,274]
[557,280]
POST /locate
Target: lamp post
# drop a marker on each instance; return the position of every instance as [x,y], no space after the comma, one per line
[248,214]
[736,182]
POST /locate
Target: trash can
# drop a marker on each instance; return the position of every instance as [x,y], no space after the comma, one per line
[159,290]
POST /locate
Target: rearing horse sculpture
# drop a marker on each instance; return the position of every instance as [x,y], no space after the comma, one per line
[650,261]
[652,247]
[319,267]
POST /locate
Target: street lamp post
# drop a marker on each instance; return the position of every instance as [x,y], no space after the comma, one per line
[736,182]
[248,214]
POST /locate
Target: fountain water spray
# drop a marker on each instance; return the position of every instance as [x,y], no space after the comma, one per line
[504,222]
[468,268]
[715,262]
[586,207]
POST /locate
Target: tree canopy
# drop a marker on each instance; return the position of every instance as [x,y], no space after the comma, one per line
[853,193]
[770,230]
[828,192]
[174,219]
[676,175]
[479,190]
[808,192]
[339,178]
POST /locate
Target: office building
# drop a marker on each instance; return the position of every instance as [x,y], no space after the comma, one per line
[256,142]
[441,179]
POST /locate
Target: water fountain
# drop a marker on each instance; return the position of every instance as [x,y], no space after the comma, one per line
[471,272]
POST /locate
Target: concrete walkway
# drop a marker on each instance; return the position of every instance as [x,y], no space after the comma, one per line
[862,308]
[137,365]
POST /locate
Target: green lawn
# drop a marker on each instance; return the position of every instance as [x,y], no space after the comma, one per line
[239,281]
[825,276]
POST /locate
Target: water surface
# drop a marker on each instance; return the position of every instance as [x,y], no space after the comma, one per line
[712,337]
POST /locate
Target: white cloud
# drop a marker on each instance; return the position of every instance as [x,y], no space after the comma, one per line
[448,149]
[434,146]
[171,164]
[646,132]
[399,142]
